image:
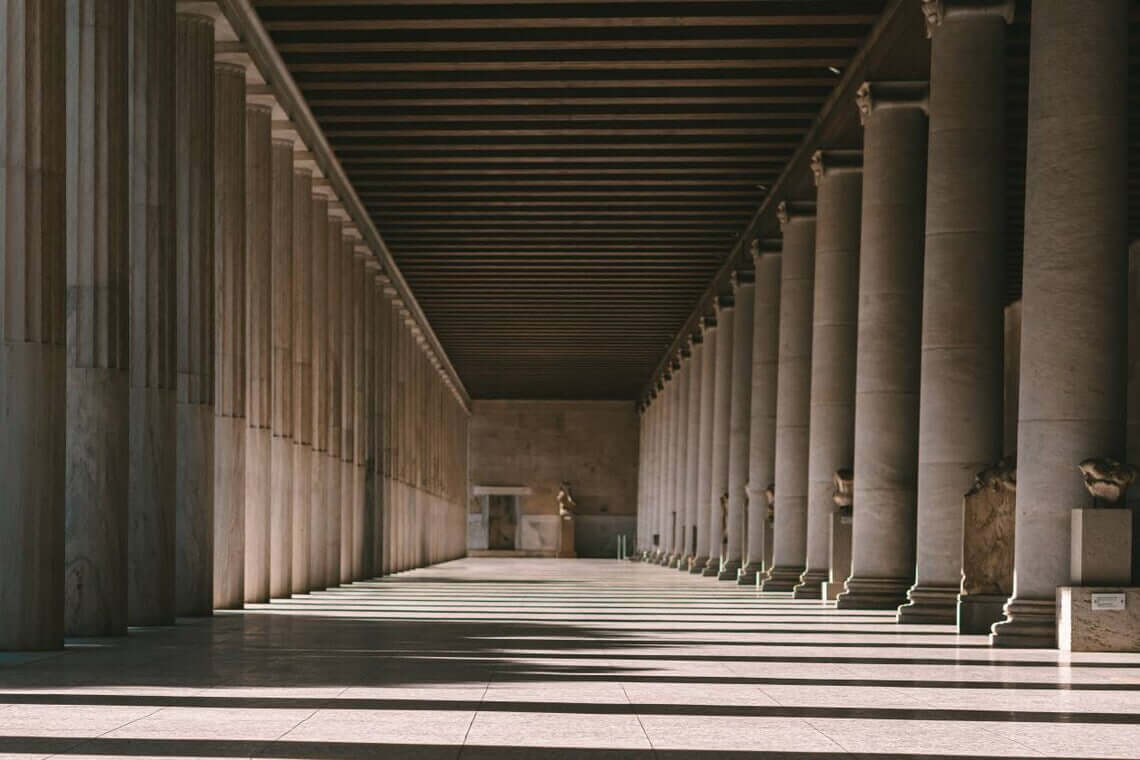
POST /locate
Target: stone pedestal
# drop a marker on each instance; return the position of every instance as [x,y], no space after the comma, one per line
[1101,548]
[988,517]
[1098,619]
[566,538]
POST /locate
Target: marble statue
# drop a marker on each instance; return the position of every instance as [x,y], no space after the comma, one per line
[844,495]
[988,526]
[1107,480]
[566,503]
[770,495]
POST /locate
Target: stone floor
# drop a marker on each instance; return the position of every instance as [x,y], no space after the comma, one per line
[508,659]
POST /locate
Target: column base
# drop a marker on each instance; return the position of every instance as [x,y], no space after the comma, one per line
[711,568]
[1028,624]
[830,590]
[683,563]
[698,565]
[810,585]
[873,593]
[730,571]
[930,604]
[782,578]
[748,574]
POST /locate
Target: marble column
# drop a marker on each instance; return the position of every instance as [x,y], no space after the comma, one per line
[1074,292]
[33,335]
[95,569]
[379,389]
[281,372]
[318,457]
[704,453]
[692,452]
[888,353]
[367,455]
[766,260]
[259,347]
[740,418]
[680,456]
[194,256]
[229,335]
[386,324]
[961,397]
[333,421]
[831,430]
[793,396]
[668,513]
[658,469]
[360,521]
[302,380]
[722,408]
[348,294]
[150,490]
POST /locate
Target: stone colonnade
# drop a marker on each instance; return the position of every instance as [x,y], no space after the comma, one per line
[196,341]
[876,330]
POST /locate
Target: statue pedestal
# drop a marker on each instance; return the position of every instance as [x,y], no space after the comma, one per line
[566,540]
[1098,619]
[1101,547]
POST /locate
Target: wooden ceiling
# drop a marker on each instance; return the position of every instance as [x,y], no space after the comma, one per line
[559,181]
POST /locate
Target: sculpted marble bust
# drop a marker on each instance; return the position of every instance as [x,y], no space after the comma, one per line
[1107,480]
[566,503]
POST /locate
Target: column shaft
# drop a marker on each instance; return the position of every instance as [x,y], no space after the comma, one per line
[229,336]
[740,416]
[333,370]
[793,397]
[722,407]
[692,453]
[281,373]
[704,460]
[259,347]
[150,496]
[887,360]
[194,226]
[1075,282]
[33,335]
[961,403]
[302,376]
[831,435]
[318,457]
[762,417]
[348,294]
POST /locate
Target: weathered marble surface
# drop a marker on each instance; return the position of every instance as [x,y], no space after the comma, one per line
[1100,552]
[229,511]
[539,533]
[257,498]
[988,521]
[194,506]
[1080,628]
[839,549]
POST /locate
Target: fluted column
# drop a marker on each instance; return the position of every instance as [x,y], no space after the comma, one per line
[722,407]
[961,398]
[831,434]
[360,515]
[318,457]
[386,320]
[740,417]
[150,497]
[667,515]
[692,453]
[332,389]
[259,347]
[704,454]
[1073,330]
[97,321]
[678,455]
[194,225]
[348,295]
[762,409]
[281,372]
[887,359]
[793,396]
[302,380]
[229,335]
[33,357]
[370,296]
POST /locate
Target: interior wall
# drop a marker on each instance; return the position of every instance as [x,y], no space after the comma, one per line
[539,444]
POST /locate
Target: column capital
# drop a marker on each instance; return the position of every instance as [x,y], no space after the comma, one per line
[794,211]
[230,67]
[825,162]
[765,246]
[937,11]
[872,96]
[708,322]
[698,335]
[724,301]
[686,349]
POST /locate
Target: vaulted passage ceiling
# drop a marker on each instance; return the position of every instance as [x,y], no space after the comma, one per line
[559,181]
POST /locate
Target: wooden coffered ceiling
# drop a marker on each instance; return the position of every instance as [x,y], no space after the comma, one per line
[560,181]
